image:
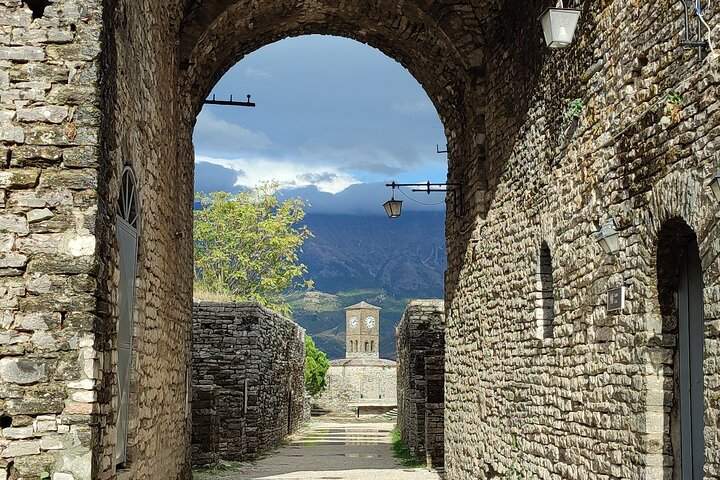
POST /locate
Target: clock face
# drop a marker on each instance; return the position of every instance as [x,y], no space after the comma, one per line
[353,322]
[369,321]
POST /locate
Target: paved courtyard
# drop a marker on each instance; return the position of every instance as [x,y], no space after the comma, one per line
[325,450]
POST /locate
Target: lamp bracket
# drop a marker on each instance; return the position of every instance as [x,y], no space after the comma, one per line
[429,188]
[231,102]
[688,41]
[437,149]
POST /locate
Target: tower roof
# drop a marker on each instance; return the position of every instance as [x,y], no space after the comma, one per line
[362,305]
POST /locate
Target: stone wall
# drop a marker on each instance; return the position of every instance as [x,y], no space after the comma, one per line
[206,426]
[420,379]
[89,87]
[49,172]
[255,360]
[595,398]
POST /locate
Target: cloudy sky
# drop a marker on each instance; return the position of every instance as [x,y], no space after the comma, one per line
[331,113]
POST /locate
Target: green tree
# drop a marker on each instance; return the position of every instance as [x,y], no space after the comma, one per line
[316,366]
[247,245]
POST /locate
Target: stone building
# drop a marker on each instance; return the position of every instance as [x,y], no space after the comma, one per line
[98,102]
[362,381]
[248,380]
[421,380]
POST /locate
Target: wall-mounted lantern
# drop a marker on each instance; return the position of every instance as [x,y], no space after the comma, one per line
[559,24]
[715,185]
[608,237]
[393,207]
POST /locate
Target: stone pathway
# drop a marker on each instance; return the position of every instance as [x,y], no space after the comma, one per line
[326,450]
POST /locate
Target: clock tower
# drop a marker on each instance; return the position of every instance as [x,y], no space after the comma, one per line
[362,331]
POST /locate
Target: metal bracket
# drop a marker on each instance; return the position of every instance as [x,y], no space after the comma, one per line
[437,149]
[688,42]
[231,102]
[455,188]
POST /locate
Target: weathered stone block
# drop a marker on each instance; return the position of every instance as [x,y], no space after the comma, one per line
[21,448]
[11,133]
[22,53]
[19,178]
[21,370]
[48,113]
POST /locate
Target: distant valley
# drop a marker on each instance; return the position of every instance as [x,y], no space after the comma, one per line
[372,258]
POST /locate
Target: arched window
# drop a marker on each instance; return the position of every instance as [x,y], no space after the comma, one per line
[372,345]
[127,223]
[350,346]
[544,294]
[357,349]
[366,346]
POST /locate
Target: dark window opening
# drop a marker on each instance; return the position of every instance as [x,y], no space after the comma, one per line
[37,7]
[5,421]
[545,297]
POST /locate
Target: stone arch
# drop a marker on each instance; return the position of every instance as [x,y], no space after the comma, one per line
[681,210]
[680,295]
[426,39]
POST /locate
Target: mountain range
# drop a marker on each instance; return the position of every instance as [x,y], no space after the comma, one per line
[357,254]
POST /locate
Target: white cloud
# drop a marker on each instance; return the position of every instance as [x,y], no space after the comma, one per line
[220,136]
[256,73]
[253,171]
[413,108]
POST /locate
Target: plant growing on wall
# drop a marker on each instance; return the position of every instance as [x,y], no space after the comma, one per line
[574,109]
[316,367]
[672,109]
[247,245]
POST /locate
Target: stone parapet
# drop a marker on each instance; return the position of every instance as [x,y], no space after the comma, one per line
[253,361]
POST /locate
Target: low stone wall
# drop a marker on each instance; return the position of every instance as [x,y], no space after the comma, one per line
[371,381]
[255,360]
[420,379]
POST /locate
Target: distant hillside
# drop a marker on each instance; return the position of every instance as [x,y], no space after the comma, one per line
[405,256]
[327,326]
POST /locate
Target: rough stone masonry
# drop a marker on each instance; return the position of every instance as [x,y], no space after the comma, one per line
[253,360]
[420,383]
[87,88]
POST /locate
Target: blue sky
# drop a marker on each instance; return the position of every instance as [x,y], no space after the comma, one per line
[331,113]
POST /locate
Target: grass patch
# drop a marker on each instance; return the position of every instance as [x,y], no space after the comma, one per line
[223,466]
[402,451]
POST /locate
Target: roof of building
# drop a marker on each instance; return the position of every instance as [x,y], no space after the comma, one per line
[362,305]
[362,362]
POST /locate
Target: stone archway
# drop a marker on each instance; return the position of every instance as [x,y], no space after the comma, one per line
[151,117]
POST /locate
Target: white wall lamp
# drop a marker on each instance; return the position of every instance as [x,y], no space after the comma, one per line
[715,185]
[559,24]
[608,237]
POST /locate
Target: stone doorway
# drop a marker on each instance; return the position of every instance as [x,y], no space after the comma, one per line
[680,288]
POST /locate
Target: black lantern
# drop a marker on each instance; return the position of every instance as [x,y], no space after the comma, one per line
[393,207]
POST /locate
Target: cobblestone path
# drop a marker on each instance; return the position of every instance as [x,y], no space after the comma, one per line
[329,451]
